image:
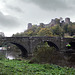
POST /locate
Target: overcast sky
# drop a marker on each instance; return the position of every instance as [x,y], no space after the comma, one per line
[16,14]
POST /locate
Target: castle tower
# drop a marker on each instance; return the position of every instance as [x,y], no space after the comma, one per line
[29,25]
[67,20]
[42,25]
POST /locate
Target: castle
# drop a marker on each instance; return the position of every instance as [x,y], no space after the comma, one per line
[53,22]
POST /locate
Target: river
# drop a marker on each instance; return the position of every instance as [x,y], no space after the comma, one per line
[10,54]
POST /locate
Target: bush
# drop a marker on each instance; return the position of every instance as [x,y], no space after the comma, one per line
[46,54]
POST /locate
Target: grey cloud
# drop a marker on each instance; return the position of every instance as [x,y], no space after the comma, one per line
[4,1]
[14,8]
[50,4]
[7,21]
[11,5]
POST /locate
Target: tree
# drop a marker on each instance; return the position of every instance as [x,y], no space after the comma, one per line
[65,28]
[44,32]
[57,21]
[16,35]
[57,30]
[71,30]
[29,32]
[2,34]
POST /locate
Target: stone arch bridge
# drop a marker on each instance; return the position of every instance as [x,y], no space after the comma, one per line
[28,44]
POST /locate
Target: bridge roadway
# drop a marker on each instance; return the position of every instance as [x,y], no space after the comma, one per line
[28,44]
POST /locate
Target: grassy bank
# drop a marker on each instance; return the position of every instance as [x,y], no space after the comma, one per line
[22,67]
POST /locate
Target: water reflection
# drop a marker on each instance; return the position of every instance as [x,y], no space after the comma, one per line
[10,54]
[10,57]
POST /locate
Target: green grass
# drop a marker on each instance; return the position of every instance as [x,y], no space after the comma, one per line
[17,67]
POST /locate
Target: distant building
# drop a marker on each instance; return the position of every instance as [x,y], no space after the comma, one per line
[61,20]
[57,21]
[62,23]
[29,25]
[53,22]
[42,25]
[67,20]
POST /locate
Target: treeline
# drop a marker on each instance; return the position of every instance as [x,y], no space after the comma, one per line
[56,30]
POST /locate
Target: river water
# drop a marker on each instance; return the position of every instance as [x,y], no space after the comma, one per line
[10,54]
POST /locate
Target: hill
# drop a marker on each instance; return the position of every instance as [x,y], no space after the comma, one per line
[57,27]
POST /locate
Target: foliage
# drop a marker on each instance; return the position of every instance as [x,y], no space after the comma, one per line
[45,53]
[57,30]
[73,36]
[53,30]
[65,27]
[16,67]
[57,21]
[44,32]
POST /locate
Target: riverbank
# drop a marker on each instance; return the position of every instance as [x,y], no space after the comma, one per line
[23,67]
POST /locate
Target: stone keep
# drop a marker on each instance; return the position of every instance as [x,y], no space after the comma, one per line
[29,25]
[67,20]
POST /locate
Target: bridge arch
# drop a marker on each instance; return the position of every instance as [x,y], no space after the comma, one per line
[72,45]
[24,52]
[50,43]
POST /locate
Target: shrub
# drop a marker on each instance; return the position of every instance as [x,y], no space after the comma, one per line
[46,54]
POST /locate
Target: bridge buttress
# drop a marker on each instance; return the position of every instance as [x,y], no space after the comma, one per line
[62,42]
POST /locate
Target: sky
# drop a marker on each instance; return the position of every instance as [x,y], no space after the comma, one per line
[16,14]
